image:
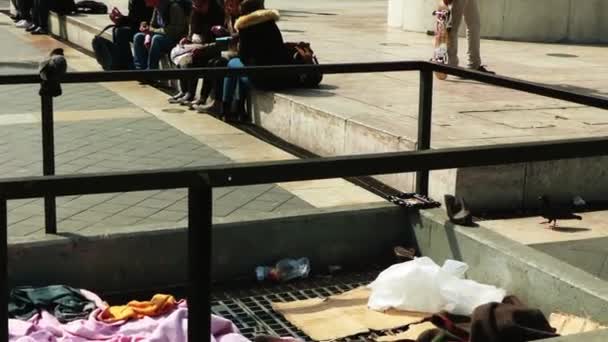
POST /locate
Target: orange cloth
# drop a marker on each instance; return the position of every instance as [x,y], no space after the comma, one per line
[160,304]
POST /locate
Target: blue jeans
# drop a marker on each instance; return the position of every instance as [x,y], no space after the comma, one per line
[149,59]
[235,87]
[123,36]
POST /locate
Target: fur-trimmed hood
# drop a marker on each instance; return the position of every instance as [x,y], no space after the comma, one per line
[257,17]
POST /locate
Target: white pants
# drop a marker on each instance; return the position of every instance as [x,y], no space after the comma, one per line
[470,11]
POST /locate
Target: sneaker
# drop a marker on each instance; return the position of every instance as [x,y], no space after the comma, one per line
[31,28]
[483,69]
[23,24]
[39,31]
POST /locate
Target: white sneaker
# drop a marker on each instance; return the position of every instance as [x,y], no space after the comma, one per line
[23,24]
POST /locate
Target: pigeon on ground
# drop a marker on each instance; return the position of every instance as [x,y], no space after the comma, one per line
[457,210]
[51,71]
[553,213]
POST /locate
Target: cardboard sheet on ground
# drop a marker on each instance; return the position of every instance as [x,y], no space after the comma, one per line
[570,324]
[342,315]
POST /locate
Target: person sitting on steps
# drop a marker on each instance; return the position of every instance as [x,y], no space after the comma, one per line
[229,48]
[126,28]
[260,44]
[169,23]
[205,15]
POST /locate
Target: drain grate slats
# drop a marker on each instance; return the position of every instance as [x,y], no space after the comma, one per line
[251,310]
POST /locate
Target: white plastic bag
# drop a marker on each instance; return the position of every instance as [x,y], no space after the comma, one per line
[421,285]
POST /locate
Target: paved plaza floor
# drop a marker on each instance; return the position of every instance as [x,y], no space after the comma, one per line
[113,127]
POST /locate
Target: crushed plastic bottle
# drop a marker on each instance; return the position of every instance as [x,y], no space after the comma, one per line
[284,270]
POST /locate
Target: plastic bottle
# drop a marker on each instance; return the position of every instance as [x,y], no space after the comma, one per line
[284,270]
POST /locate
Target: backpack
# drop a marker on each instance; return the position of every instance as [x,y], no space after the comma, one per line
[63,7]
[91,7]
[302,53]
[105,51]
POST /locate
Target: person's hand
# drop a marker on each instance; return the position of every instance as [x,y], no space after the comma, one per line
[116,16]
[143,27]
[219,31]
[148,41]
[184,41]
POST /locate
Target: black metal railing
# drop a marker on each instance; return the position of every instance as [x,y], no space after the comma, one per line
[200,180]
[425,98]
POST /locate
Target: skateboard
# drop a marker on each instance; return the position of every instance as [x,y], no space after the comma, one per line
[443,24]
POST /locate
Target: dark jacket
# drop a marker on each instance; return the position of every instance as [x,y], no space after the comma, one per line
[261,43]
[202,22]
[175,25]
[138,12]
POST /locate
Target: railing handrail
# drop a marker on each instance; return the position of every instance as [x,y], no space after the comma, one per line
[303,169]
[337,68]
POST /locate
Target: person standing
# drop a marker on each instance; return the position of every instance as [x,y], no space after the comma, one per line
[24,13]
[40,17]
[469,10]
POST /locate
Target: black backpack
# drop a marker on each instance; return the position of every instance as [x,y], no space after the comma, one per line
[91,7]
[63,7]
[105,51]
[302,53]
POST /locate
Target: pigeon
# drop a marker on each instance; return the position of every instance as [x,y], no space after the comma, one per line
[51,71]
[457,210]
[553,213]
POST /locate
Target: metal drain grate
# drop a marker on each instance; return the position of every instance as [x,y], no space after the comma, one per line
[251,309]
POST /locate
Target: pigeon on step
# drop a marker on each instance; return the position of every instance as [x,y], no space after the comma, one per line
[552,212]
[457,210]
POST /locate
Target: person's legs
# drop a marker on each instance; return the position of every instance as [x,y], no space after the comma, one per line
[241,83]
[457,14]
[40,15]
[230,83]
[26,7]
[160,44]
[123,36]
[140,58]
[473,21]
[35,11]
[44,12]
[241,88]
[217,84]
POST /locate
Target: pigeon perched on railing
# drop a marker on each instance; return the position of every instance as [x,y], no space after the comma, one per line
[51,71]
[552,212]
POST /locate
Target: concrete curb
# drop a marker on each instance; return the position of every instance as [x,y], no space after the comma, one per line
[539,279]
[146,257]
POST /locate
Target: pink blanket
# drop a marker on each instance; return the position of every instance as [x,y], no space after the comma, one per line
[44,327]
[172,327]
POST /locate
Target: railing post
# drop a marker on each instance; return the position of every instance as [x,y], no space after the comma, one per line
[425,109]
[48,162]
[4,269]
[199,259]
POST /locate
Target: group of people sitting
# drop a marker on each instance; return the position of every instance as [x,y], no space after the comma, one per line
[205,33]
